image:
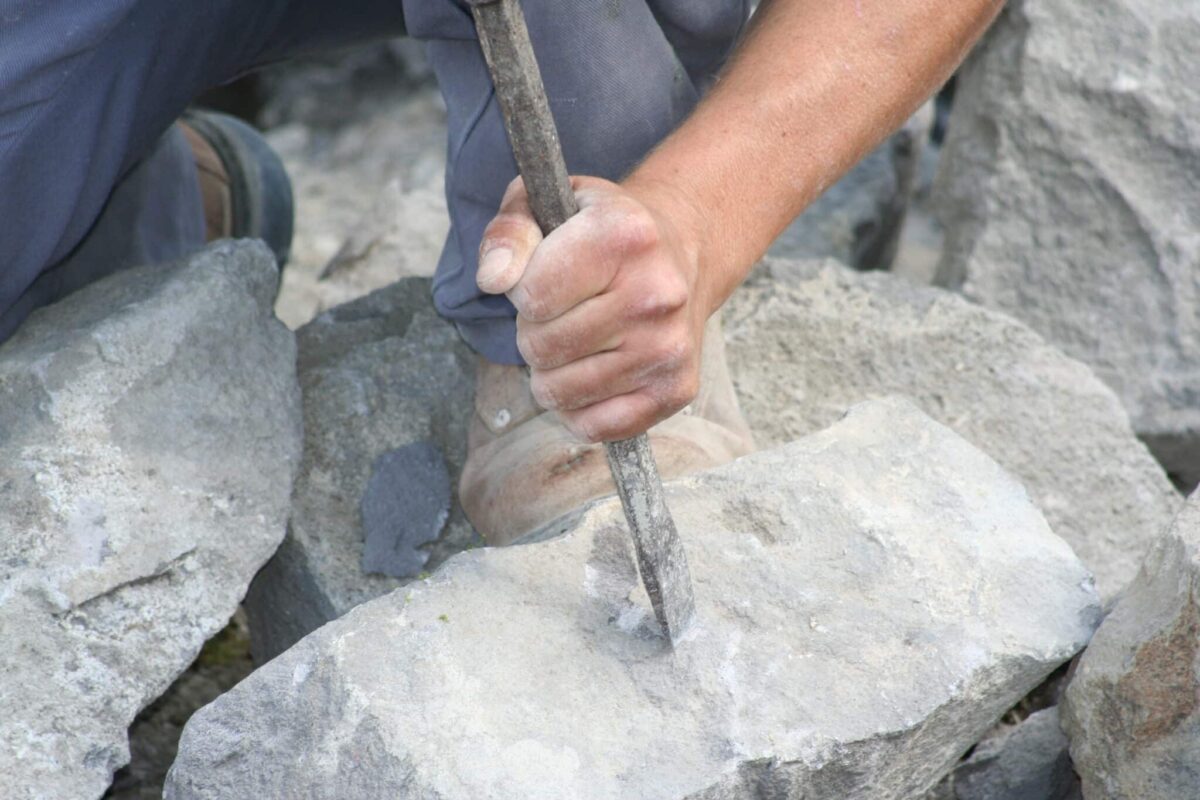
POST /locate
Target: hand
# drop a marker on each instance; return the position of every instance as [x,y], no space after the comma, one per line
[610,307]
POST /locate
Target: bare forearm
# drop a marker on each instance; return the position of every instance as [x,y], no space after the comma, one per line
[612,306]
[814,86]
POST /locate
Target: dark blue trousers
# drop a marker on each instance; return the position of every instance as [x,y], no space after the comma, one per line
[93,178]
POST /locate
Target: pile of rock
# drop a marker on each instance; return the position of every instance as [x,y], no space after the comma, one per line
[879,586]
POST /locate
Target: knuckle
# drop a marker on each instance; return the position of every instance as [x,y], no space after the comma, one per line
[508,226]
[686,390]
[665,294]
[675,395]
[580,427]
[543,390]
[531,303]
[533,349]
[516,185]
[674,352]
[635,230]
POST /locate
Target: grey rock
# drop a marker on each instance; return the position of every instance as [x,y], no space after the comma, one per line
[405,506]
[1028,761]
[859,219]
[370,201]
[871,599]
[1068,193]
[377,374]
[807,340]
[1132,709]
[149,431]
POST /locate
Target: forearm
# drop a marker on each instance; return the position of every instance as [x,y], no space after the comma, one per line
[813,87]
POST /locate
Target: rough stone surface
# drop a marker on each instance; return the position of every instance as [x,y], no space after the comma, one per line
[376,374]
[404,507]
[1132,709]
[871,599]
[366,150]
[1027,762]
[149,430]
[859,219]
[1068,192]
[808,339]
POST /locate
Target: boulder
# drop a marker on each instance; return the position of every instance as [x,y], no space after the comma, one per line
[871,599]
[806,340]
[1027,761]
[378,375]
[149,431]
[859,219]
[1068,194]
[1132,709]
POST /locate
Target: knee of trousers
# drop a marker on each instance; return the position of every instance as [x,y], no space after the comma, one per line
[617,84]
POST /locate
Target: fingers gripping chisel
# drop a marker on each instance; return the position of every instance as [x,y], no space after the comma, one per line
[534,139]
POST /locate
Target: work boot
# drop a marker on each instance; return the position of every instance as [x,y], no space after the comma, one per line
[524,469]
[246,190]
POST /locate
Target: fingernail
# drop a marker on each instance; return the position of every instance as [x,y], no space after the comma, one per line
[494,262]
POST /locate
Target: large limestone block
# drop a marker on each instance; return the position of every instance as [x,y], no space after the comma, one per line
[1068,193]
[149,431]
[1132,709]
[377,374]
[871,599]
[806,340]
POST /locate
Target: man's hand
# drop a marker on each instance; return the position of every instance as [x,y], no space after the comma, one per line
[610,307]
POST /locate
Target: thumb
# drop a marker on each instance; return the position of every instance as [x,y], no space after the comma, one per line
[508,242]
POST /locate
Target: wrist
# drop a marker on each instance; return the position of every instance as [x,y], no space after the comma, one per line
[686,229]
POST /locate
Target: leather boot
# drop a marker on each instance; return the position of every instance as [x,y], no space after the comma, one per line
[244,186]
[524,469]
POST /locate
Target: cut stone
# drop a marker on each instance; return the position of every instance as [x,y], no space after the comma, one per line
[405,506]
[1068,194]
[871,599]
[1132,709]
[378,374]
[807,340]
[149,431]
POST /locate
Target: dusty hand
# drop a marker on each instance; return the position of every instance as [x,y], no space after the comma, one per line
[611,310]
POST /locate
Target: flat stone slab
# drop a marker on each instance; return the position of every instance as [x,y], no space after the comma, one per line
[871,599]
[149,432]
[808,339]
[404,507]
